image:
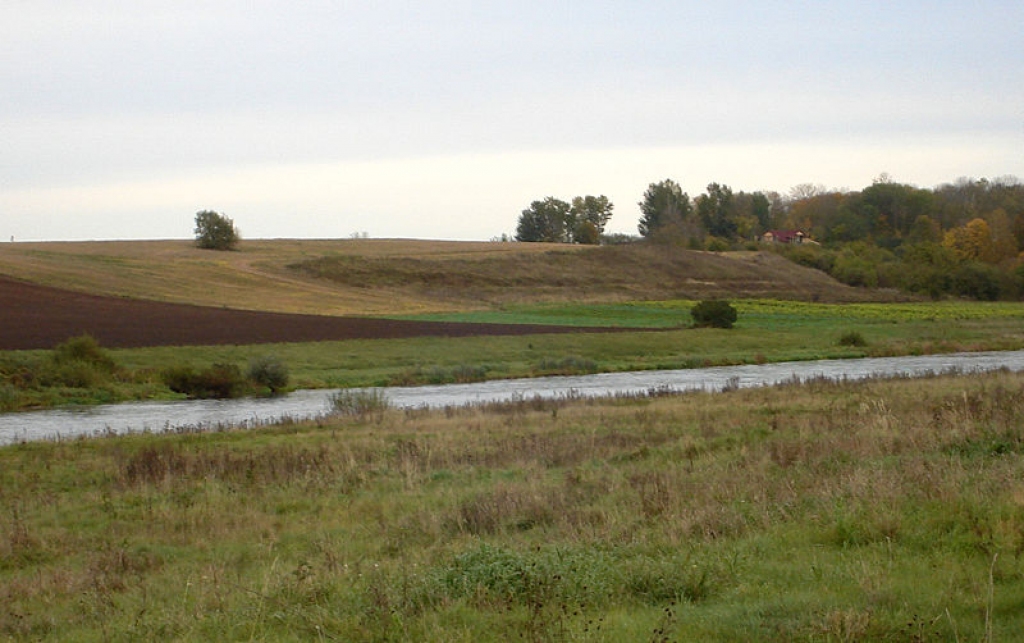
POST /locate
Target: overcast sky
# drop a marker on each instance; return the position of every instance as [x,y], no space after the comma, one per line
[445,119]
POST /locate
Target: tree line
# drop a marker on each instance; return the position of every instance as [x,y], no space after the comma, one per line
[555,221]
[962,238]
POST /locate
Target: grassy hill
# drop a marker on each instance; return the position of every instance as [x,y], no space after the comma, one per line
[380,277]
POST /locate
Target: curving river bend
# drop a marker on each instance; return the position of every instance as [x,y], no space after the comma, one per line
[169,416]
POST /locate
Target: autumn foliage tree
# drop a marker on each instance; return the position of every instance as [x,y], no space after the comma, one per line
[969,241]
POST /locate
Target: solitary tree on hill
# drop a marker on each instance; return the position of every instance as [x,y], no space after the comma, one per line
[214,231]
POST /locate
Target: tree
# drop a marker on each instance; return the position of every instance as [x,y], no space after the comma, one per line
[664,204]
[926,267]
[713,313]
[555,221]
[815,215]
[214,231]
[970,242]
[806,191]
[270,372]
[890,209]
[759,207]
[716,209]
[549,220]
[979,280]
[590,215]
[924,230]
[1004,242]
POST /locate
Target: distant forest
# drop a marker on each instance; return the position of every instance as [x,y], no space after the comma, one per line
[960,239]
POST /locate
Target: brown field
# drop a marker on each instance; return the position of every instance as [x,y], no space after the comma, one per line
[147,293]
[382,277]
[37,316]
[257,277]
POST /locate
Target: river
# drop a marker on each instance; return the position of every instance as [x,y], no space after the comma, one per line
[306,404]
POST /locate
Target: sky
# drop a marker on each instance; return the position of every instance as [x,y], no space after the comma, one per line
[445,119]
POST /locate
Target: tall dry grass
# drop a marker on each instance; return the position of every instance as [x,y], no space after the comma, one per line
[881,510]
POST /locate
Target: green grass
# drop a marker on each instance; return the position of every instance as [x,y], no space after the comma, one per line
[870,511]
[766,331]
[754,313]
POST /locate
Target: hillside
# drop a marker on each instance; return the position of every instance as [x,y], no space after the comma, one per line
[381,277]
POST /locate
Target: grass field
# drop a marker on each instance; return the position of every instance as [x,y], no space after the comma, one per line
[761,314]
[766,331]
[387,277]
[888,510]
[874,511]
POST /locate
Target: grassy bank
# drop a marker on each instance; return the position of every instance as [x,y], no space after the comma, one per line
[767,331]
[889,510]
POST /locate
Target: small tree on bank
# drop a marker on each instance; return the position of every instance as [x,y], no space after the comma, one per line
[214,231]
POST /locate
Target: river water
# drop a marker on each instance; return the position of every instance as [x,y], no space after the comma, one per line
[209,414]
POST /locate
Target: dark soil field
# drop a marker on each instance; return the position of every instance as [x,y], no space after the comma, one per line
[35,316]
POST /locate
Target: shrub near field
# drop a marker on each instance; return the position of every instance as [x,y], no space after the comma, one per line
[886,510]
[765,331]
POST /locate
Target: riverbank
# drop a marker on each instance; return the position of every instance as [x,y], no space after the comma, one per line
[767,331]
[875,510]
[305,405]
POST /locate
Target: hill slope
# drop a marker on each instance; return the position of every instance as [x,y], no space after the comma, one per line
[380,277]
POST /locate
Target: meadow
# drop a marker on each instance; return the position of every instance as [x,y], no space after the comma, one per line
[766,331]
[888,510]
[885,510]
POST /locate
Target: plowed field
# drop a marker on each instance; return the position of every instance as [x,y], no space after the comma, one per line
[34,316]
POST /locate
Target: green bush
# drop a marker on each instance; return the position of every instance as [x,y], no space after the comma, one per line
[852,338]
[716,244]
[220,381]
[713,313]
[856,271]
[812,256]
[269,372]
[978,280]
[77,363]
[84,349]
[8,397]
[74,375]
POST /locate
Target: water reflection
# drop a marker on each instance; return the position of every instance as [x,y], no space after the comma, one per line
[169,416]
